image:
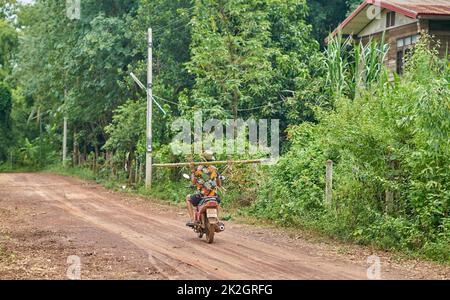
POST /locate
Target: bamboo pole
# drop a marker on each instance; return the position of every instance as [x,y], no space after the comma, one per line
[236,162]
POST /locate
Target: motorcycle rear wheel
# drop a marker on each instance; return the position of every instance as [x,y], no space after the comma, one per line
[210,231]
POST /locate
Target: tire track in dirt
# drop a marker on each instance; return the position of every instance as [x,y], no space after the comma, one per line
[171,248]
[204,262]
[234,255]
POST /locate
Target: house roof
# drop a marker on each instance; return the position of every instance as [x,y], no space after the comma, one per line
[411,8]
[423,7]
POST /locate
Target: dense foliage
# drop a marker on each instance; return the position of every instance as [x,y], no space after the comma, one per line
[392,139]
[325,15]
[5,121]
[261,59]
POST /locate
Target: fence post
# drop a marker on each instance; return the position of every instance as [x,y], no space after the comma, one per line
[329,183]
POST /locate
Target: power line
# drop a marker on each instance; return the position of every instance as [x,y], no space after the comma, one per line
[168,101]
[176,21]
[239,110]
[171,24]
[262,106]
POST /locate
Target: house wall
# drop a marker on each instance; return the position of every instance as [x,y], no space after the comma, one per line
[440,31]
[444,42]
[405,27]
[441,37]
[379,25]
[395,34]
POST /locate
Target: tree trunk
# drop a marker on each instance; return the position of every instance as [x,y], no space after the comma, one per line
[76,159]
[96,158]
[235,103]
[136,173]
[130,168]
[84,153]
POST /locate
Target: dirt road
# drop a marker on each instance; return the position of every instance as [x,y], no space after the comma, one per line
[46,218]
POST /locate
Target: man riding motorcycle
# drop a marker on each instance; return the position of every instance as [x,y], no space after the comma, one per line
[206,179]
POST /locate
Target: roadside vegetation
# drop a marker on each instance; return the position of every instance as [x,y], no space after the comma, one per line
[388,135]
[393,137]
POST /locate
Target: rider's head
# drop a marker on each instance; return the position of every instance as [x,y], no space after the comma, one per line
[208,155]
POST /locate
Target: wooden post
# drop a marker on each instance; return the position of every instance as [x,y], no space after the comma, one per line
[329,183]
[389,201]
[149,162]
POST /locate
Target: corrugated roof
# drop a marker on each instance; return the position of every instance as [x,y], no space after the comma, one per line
[422,7]
[410,8]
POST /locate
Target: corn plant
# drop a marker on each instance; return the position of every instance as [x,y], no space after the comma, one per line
[351,66]
[337,65]
[368,62]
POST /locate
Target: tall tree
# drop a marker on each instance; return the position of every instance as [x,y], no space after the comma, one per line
[230,54]
[7,8]
[170,23]
[326,15]
[250,56]
[5,121]
[73,67]
[8,44]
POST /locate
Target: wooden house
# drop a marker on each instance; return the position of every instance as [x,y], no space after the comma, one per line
[401,21]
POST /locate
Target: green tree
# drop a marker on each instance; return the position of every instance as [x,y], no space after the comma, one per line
[230,54]
[72,67]
[170,23]
[8,44]
[5,121]
[7,8]
[298,74]
[254,58]
[326,15]
[126,131]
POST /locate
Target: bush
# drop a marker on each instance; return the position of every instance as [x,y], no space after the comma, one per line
[392,137]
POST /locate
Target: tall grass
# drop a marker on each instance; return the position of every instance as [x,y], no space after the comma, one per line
[353,65]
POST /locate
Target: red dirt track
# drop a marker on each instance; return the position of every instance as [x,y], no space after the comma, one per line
[45,218]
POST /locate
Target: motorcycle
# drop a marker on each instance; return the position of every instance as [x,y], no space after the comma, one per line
[207,222]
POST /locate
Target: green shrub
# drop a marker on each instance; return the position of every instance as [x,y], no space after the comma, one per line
[392,137]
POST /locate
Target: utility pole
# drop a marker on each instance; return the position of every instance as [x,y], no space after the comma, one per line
[149,160]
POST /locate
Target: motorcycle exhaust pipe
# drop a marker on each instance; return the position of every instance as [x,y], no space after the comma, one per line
[221,227]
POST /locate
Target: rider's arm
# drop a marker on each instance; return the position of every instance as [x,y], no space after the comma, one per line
[194,175]
[219,181]
[193,178]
